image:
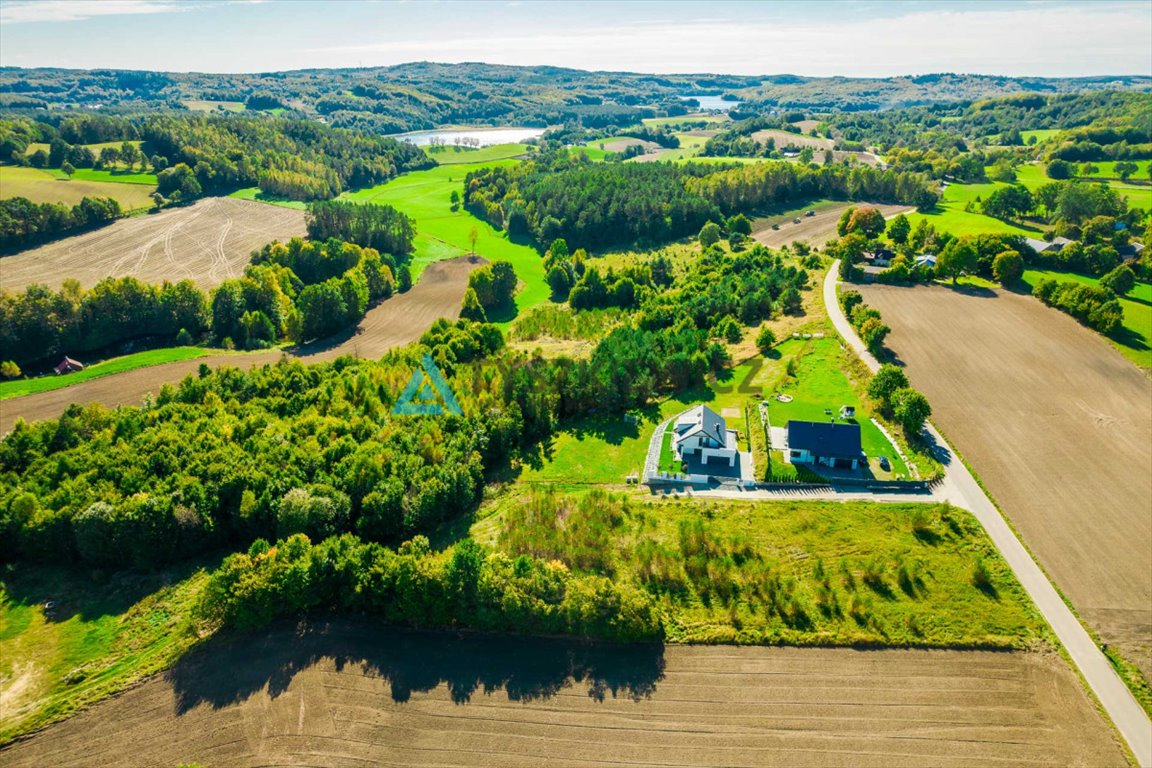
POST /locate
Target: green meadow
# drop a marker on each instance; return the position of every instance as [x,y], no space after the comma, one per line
[254,194]
[791,572]
[456,155]
[49,382]
[1134,340]
[442,233]
[1041,134]
[949,214]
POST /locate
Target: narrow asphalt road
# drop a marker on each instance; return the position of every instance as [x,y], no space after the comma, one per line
[1129,718]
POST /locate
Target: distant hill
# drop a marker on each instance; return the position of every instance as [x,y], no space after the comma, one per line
[424,95]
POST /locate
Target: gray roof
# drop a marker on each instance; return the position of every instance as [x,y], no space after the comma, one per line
[702,419]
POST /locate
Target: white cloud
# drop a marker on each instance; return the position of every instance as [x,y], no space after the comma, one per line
[1036,40]
[16,12]
[28,11]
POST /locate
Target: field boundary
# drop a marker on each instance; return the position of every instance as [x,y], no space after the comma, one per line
[1113,694]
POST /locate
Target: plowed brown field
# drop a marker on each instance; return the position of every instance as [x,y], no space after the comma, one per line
[208,243]
[814,230]
[1059,427]
[394,322]
[353,694]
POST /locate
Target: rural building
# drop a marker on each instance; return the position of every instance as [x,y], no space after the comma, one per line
[701,433]
[1043,246]
[925,260]
[68,365]
[881,258]
[825,443]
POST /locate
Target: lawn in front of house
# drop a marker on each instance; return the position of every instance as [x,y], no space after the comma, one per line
[819,385]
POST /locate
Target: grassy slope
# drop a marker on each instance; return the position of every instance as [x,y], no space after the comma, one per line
[101,636]
[453,155]
[106,368]
[762,582]
[1135,343]
[442,233]
[41,186]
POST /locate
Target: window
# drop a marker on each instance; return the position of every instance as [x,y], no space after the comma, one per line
[795,454]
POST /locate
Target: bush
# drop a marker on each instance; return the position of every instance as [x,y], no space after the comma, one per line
[765,340]
[1120,281]
[9,370]
[466,587]
[1008,267]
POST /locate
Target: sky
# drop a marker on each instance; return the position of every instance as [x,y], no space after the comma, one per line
[865,38]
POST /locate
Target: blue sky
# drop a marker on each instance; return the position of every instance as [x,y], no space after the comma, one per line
[824,37]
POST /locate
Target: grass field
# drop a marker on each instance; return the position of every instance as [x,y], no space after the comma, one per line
[1041,134]
[205,105]
[1137,195]
[442,233]
[255,195]
[99,637]
[49,382]
[949,214]
[798,572]
[1056,423]
[1135,340]
[111,177]
[41,186]
[455,155]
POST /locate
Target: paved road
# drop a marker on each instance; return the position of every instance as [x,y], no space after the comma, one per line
[962,488]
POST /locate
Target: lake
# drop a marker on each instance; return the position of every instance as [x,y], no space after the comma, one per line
[714,103]
[486,136]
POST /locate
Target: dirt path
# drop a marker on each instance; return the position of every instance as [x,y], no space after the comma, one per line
[1000,375]
[814,230]
[395,322]
[355,694]
[207,242]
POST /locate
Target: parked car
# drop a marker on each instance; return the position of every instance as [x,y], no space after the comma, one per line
[796,220]
[775,226]
[810,213]
[885,464]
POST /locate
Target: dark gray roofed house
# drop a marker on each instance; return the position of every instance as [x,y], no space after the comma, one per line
[825,443]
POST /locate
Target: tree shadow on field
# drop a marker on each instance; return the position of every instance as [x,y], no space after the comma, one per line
[526,669]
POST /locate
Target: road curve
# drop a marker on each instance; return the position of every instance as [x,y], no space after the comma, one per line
[1129,718]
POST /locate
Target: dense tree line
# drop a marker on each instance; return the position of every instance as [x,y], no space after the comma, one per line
[599,205]
[596,205]
[1095,306]
[39,324]
[467,587]
[24,223]
[300,290]
[369,225]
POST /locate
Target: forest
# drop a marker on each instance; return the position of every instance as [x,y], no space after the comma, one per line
[596,206]
[423,95]
[195,155]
